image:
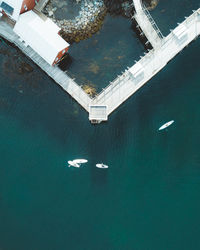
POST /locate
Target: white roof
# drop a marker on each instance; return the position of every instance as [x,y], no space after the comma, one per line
[136,69]
[16,5]
[98,112]
[41,35]
[180,31]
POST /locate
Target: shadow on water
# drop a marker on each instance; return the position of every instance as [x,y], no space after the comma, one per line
[140,35]
[99,177]
[66,62]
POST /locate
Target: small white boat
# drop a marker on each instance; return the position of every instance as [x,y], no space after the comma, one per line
[73,164]
[80,161]
[101,165]
[167,124]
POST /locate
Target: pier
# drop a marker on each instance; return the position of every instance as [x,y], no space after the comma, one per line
[125,85]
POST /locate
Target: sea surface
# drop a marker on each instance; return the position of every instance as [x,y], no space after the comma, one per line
[148,198]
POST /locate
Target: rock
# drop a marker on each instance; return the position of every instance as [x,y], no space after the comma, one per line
[90,90]
[50,13]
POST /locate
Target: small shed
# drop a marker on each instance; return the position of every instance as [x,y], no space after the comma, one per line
[98,113]
[180,32]
[137,72]
[42,36]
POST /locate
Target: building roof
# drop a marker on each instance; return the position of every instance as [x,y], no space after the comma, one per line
[136,69]
[98,112]
[15,5]
[41,35]
[180,31]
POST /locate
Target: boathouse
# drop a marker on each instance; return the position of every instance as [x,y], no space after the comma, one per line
[42,35]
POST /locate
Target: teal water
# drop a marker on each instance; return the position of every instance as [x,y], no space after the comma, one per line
[149,196]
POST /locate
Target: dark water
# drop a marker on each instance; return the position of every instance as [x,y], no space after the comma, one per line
[175,11]
[149,196]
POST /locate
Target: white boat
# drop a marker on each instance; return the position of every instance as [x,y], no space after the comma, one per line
[80,161]
[101,165]
[73,164]
[167,124]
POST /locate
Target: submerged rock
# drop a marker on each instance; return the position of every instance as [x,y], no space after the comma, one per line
[151,4]
[89,89]
[24,67]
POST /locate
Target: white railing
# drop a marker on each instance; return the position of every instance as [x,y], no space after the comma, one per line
[147,13]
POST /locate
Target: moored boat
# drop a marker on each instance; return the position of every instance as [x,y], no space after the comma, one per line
[101,165]
[73,164]
[167,124]
[80,161]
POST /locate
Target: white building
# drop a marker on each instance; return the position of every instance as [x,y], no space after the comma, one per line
[42,36]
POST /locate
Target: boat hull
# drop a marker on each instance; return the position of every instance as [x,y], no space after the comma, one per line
[73,164]
[100,165]
[166,125]
[79,161]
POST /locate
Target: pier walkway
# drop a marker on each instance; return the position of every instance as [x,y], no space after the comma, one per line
[119,90]
[54,72]
[147,24]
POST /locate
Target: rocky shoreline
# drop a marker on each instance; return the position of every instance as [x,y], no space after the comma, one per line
[90,17]
[88,21]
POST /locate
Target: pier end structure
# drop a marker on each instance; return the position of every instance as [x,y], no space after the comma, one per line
[98,113]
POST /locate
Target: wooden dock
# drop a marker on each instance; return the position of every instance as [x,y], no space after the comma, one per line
[60,77]
[119,90]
